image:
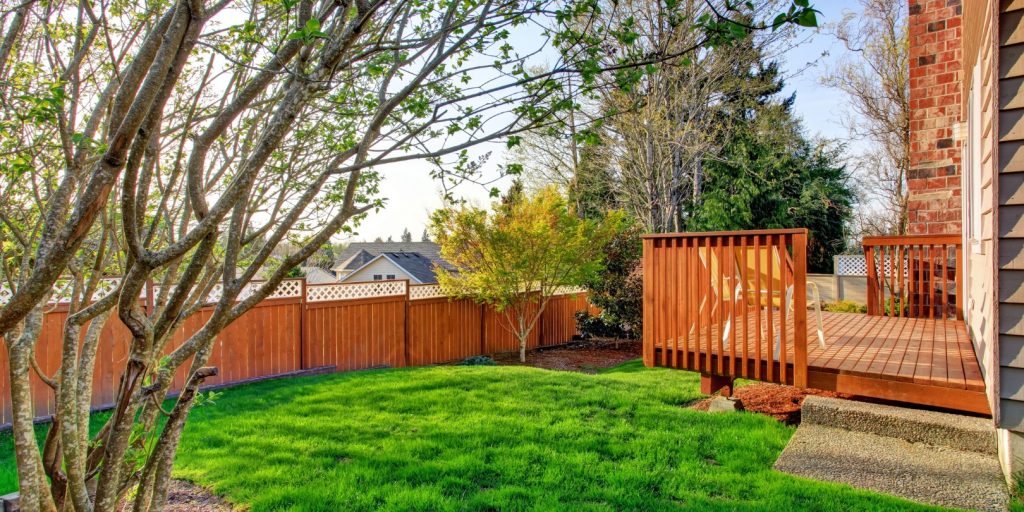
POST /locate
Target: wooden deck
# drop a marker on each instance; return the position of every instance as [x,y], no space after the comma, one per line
[915,360]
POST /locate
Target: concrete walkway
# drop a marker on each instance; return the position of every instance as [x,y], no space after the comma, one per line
[952,471]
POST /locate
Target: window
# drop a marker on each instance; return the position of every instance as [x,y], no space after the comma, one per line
[972,171]
[391,276]
[377,277]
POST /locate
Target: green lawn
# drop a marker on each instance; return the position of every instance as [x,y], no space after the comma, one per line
[491,438]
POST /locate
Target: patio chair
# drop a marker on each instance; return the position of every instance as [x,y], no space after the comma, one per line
[770,299]
[773,298]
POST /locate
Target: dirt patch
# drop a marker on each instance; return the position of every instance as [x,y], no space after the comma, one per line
[780,402]
[185,496]
[582,356]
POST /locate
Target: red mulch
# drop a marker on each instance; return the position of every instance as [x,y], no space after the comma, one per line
[581,356]
[780,402]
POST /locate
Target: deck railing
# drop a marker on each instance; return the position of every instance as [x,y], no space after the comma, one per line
[914,276]
[728,304]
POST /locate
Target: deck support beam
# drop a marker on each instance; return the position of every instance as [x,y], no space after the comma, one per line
[709,384]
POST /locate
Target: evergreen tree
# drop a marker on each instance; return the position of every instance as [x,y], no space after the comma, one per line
[425,237]
[406,235]
[769,175]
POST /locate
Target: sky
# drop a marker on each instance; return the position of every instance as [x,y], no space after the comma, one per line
[411,194]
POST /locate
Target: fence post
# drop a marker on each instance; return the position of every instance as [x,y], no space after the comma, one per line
[303,337]
[405,327]
[799,309]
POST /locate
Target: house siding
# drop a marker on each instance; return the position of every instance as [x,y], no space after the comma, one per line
[1009,217]
[979,243]
[382,266]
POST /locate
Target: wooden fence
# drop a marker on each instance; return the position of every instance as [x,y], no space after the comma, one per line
[348,326]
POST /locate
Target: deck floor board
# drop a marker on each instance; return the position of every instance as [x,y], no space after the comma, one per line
[925,351]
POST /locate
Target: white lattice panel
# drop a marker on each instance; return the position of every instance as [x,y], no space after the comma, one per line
[569,290]
[348,291]
[425,291]
[851,265]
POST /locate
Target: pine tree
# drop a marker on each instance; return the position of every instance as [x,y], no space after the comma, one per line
[406,235]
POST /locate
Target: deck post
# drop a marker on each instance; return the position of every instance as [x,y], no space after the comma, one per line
[709,384]
[648,295]
[800,309]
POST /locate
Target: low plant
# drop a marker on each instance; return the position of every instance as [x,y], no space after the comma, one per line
[844,306]
[477,361]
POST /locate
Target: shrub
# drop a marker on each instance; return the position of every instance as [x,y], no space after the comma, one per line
[618,288]
[844,306]
[597,326]
[478,361]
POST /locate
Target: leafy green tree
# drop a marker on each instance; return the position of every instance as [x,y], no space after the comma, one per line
[517,256]
[769,175]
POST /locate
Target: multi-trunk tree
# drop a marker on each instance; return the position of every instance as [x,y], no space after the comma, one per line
[181,143]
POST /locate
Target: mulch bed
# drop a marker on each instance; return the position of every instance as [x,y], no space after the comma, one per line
[780,402]
[580,356]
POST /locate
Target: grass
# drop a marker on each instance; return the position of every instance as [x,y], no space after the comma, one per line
[492,438]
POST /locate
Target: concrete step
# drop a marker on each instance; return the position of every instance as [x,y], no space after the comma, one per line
[926,473]
[965,433]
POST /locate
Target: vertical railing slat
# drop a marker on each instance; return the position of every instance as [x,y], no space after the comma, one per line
[800,310]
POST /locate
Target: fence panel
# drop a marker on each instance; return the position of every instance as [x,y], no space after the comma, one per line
[355,334]
[498,337]
[443,330]
[558,322]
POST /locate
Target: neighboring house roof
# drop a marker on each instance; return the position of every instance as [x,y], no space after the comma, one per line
[414,264]
[355,261]
[428,250]
[317,275]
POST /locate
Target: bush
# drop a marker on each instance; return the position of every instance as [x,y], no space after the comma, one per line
[618,289]
[595,326]
[844,306]
[478,361]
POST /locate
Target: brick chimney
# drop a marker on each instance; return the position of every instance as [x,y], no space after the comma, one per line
[933,180]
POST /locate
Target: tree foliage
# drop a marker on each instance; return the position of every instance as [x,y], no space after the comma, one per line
[517,256]
[178,144]
[768,175]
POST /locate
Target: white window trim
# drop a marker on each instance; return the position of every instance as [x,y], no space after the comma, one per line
[971,178]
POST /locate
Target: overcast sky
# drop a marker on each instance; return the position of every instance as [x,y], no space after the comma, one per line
[412,194]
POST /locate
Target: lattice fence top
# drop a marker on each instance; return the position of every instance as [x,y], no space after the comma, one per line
[347,291]
[425,291]
[851,265]
[569,290]
[63,289]
[291,288]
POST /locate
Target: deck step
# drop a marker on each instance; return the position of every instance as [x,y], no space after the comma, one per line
[965,433]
